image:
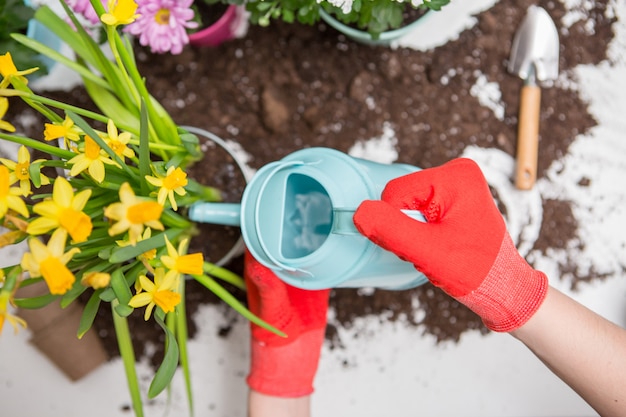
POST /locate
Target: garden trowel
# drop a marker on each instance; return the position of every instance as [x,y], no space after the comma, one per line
[534,58]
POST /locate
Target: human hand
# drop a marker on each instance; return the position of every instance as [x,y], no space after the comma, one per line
[284,367]
[463,248]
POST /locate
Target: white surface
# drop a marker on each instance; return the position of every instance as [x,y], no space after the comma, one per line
[392,369]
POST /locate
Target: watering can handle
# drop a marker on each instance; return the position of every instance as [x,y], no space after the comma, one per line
[344,225]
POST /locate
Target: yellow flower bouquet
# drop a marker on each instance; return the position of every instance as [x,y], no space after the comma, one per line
[110,223]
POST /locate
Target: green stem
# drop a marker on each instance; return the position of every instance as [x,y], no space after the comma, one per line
[128,358]
[35,144]
[229,299]
[182,336]
[112,35]
[224,274]
[64,106]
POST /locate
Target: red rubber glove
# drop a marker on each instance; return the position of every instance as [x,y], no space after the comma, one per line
[464,248]
[284,367]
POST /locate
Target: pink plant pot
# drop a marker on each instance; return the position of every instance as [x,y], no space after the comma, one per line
[232,24]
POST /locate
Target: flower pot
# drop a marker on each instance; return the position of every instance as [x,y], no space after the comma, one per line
[54,334]
[364,37]
[233,24]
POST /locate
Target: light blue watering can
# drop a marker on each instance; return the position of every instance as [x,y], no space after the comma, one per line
[296,219]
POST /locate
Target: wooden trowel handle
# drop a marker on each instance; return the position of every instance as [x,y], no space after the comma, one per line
[528,137]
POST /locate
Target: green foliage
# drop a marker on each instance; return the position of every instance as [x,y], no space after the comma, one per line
[373,16]
[14,18]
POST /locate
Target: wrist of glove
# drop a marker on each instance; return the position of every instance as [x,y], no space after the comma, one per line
[283,366]
[463,247]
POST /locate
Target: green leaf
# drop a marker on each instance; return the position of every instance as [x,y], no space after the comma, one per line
[127,353]
[229,299]
[123,254]
[111,106]
[73,293]
[182,335]
[107,295]
[144,149]
[35,302]
[224,274]
[34,171]
[89,313]
[122,293]
[165,373]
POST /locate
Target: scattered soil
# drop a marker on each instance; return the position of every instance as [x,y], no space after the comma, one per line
[290,86]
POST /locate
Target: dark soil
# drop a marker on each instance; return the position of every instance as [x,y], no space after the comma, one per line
[289,86]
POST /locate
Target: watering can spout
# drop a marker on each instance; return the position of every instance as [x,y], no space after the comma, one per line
[227,214]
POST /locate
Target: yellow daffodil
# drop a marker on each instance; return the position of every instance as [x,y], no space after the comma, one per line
[20,170]
[10,196]
[4,107]
[92,159]
[50,262]
[121,12]
[133,214]
[96,280]
[5,300]
[118,142]
[161,292]
[183,264]
[9,71]
[63,210]
[66,130]
[173,182]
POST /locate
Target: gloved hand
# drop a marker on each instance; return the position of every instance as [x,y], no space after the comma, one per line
[284,367]
[464,248]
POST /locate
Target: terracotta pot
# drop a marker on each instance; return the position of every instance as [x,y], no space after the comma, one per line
[362,36]
[232,24]
[54,334]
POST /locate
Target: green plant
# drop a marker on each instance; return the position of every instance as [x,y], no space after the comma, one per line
[111,225]
[14,18]
[373,16]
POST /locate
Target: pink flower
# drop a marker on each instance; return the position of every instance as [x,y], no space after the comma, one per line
[84,8]
[163,24]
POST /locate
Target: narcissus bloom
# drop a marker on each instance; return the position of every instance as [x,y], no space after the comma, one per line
[64,210]
[96,280]
[50,262]
[121,12]
[183,264]
[5,299]
[4,107]
[92,159]
[65,129]
[10,197]
[118,142]
[20,170]
[173,182]
[9,71]
[161,292]
[132,214]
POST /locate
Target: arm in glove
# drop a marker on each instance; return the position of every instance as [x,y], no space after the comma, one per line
[463,247]
[284,367]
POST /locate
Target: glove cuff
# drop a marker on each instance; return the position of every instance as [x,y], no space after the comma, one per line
[287,370]
[510,294]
